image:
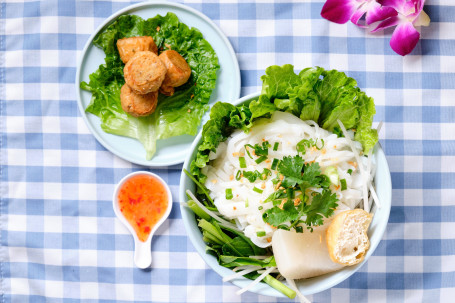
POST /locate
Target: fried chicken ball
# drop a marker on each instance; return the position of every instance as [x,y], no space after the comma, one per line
[144,72]
[178,71]
[138,105]
[128,47]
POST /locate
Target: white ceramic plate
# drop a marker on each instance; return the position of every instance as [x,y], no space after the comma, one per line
[306,286]
[173,150]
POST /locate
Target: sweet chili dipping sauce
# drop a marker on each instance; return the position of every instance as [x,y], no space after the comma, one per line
[143,200]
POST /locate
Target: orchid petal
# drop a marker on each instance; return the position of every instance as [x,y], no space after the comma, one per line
[422,20]
[404,38]
[377,13]
[357,15]
[402,6]
[392,21]
[418,7]
[339,11]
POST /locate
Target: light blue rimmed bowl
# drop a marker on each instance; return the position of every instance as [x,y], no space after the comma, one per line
[306,286]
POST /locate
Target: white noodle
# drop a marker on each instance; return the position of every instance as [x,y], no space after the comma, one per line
[286,130]
[362,173]
[256,281]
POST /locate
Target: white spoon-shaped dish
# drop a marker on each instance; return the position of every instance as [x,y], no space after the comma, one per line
[142,250]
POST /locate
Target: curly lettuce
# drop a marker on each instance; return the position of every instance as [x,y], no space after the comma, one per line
[314,94]
[175,115]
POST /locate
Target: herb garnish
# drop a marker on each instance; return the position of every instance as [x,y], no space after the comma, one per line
[294,177]
[308,143]
[252,176]
[259,150]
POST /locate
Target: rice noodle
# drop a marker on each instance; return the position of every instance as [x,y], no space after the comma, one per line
[362,173]
[256,281]
[247,206]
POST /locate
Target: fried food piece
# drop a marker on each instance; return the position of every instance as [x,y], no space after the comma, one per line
[144,73]
[128,47]
[138,105]
[178,71]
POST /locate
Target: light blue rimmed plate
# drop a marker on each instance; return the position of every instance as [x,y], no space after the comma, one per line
[173,150]
[309,286]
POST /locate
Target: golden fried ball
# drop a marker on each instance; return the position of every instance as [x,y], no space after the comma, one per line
[178,71]
[128,47]
[144,72]
[138,105]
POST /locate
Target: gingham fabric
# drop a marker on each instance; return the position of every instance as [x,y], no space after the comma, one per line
[60,240]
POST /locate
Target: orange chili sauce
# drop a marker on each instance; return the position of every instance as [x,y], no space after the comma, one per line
[143,200]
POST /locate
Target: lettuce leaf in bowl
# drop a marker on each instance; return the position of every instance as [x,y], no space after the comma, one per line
[315,94]
[175,115]
[319,95]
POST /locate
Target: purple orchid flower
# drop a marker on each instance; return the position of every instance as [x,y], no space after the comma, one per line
[341,11]
[410,14]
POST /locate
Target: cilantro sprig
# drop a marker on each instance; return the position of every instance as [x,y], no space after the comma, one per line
[294,175]
[322,205]
[296,172]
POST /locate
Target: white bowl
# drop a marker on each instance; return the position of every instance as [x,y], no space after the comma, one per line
[306,286]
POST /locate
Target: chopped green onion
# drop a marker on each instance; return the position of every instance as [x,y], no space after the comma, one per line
[350,171]
[247,203]
[275,146]
[260,233]
[242,162]
[316,144]
[274,163]
[261,159]
[332,173]
[247,151]
[299,229]
[229,194]
[343,184]
[260,207]
[257,190]
[238,176]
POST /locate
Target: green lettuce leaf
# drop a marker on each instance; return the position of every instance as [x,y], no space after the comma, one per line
[175,115]
[315,94]
[365,134]
[262,106]
[277,80]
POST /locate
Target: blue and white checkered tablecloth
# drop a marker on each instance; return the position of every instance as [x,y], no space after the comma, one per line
[60,240]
